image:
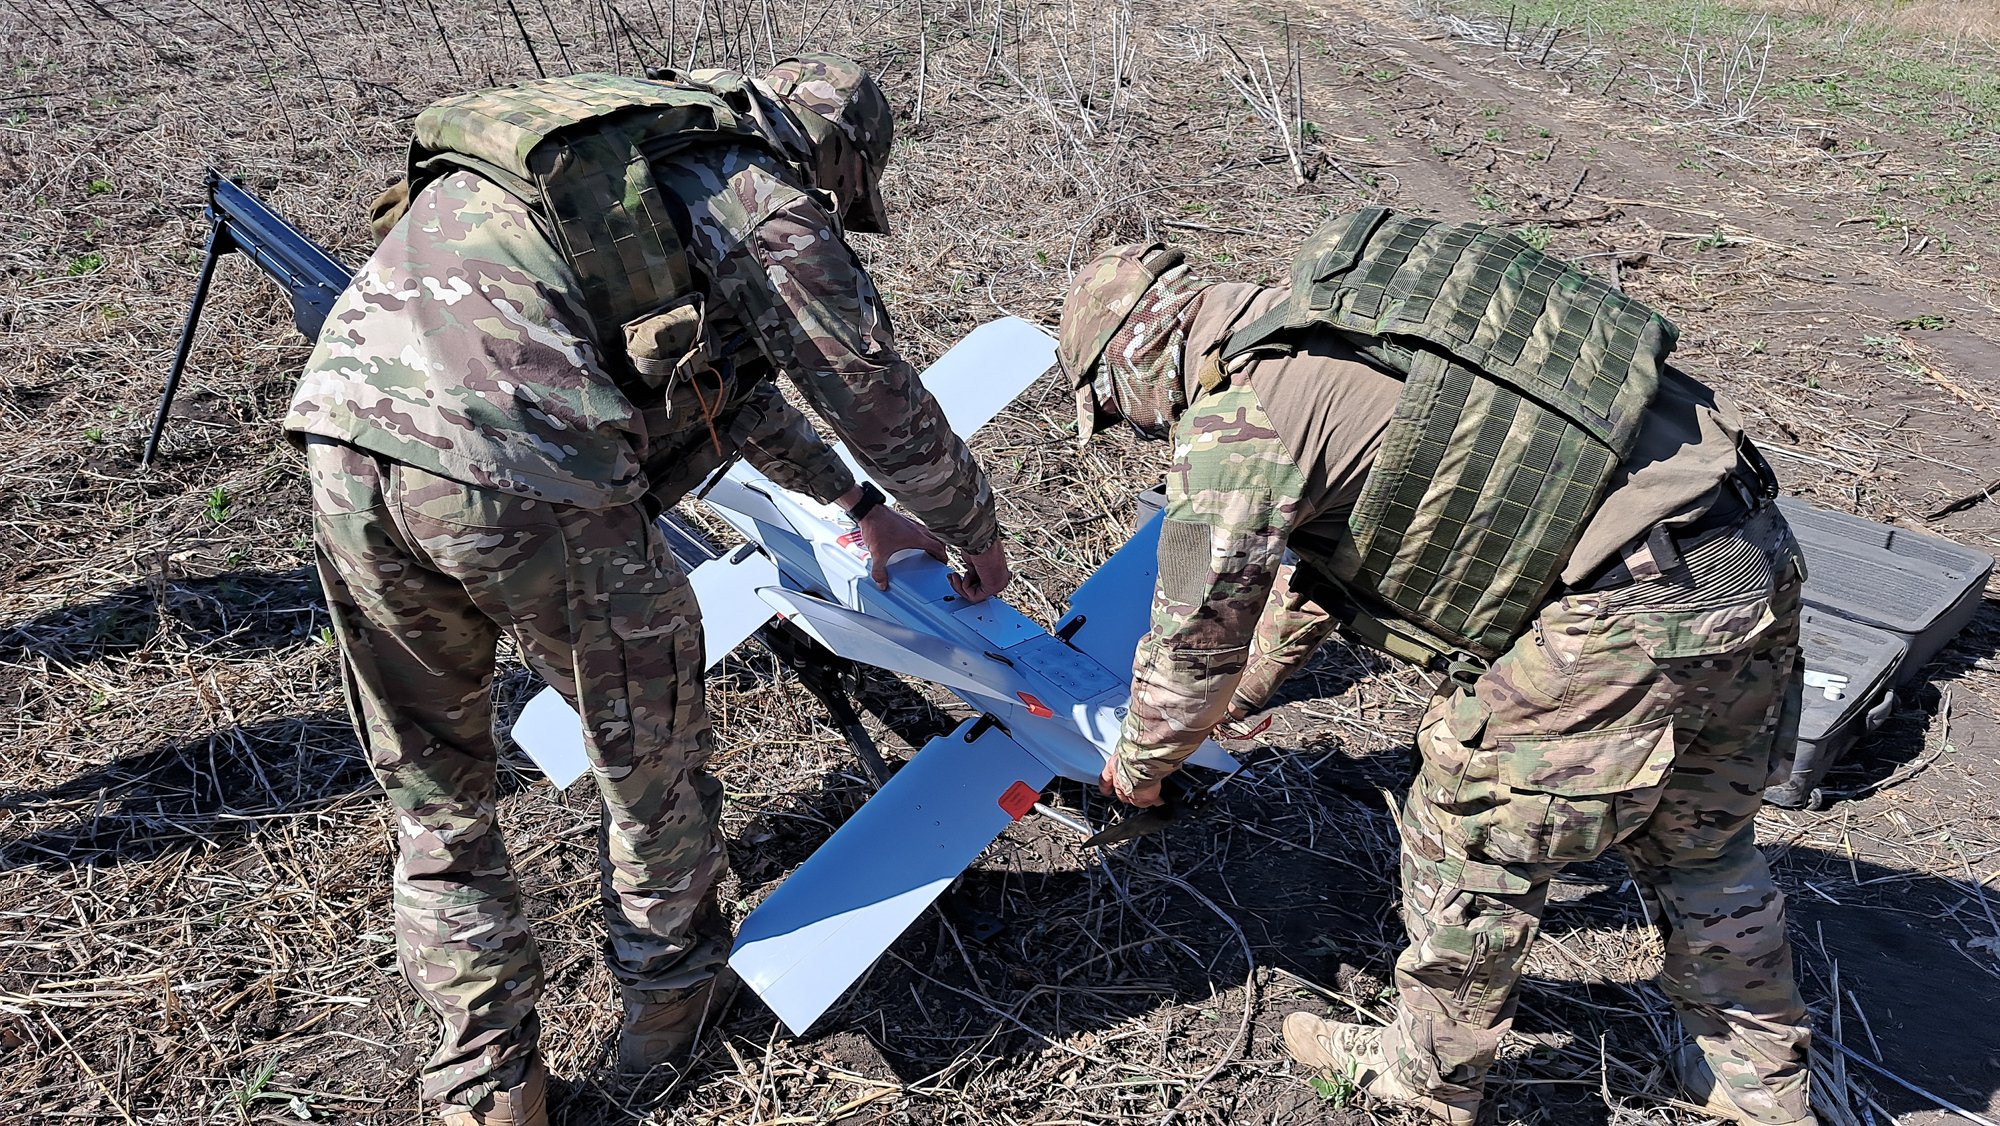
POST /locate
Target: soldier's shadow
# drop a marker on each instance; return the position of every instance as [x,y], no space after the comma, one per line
[213,789]
[1085,948]
[1915,956]
[187,793]
[1174,919]
[240,612]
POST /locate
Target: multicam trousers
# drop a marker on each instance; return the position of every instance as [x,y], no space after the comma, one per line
[422,576]
[1646,719]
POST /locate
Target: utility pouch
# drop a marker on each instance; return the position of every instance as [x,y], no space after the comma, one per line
[667,342]
[1570,797]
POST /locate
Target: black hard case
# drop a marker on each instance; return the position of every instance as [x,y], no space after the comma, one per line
[1881,602]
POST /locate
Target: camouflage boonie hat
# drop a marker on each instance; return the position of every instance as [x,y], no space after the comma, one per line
[828,90]
[1100,302]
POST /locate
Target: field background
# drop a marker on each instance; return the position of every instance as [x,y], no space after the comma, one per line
[194,867]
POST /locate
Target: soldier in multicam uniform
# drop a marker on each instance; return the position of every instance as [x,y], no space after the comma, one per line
[1644,704]
[487,457]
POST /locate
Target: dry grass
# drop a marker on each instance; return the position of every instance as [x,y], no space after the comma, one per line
[193,865]
[1945,19]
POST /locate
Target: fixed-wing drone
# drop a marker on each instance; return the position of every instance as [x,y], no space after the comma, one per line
[1050,703]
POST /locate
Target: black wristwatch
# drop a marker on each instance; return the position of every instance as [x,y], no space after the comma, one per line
[870,497]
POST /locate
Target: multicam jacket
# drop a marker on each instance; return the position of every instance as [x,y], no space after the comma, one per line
[463,348]
[1275,461]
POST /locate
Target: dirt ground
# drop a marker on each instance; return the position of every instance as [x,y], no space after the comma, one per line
[194,917]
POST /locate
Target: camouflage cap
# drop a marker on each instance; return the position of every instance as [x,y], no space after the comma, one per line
[851,126]
[1100,302]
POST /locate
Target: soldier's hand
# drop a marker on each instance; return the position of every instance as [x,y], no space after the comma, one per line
[1110,785]
[985,575]
[885,531]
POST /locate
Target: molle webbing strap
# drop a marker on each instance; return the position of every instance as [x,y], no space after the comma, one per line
[1328,255]
[1526,382]
[1473,506]
[1376,625]
[579,150]
[1487,299]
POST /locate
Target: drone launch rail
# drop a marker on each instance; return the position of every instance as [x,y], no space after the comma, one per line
[238,220]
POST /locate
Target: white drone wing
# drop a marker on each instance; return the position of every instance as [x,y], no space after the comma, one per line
[821,929]
[550,731]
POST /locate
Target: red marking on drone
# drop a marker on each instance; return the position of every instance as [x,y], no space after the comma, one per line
[1019,799]
[1035,707]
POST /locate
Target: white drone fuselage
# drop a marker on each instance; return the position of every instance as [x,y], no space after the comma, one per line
[1048,703]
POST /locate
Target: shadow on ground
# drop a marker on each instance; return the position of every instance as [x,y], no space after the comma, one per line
[1174,920]
[200,792]
[1074,956]
[1918,952]
[241,612]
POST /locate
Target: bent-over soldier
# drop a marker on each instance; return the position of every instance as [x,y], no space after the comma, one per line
[582,294]
[1482,460]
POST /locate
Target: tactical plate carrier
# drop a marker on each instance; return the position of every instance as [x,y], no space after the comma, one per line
[1525,384]
[580,152]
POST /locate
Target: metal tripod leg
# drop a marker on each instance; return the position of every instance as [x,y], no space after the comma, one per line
[218,245]
[819,670]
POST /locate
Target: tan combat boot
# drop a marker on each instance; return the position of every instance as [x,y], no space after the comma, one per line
[659,1027]
[1354,1052]
[1712,1095]
[525,1104]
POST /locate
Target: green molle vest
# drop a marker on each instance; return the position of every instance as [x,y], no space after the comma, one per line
[579,151]
[1525,384]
